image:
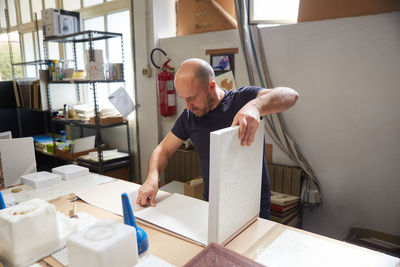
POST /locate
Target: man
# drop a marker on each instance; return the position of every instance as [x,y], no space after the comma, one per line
[209,108]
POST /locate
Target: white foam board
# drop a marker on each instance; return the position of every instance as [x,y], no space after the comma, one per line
[235,182]
[293,248]
[40,179]
[179,214]
[70,171]
[17,158]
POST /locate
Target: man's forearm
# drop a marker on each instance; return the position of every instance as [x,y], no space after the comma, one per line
[157,163]
[276,100]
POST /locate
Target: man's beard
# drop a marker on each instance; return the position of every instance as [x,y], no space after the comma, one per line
[209,104]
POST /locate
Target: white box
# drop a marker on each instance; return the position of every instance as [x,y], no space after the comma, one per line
[50,30]
[40,179]
[68,24]
[95,71]
[98,56]
[106,243]
[50,16]
[70,171]
[28,232]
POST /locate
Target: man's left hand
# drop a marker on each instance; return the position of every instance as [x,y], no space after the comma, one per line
[248,119]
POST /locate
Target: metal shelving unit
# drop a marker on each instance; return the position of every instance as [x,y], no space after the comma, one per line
[38,63]
[90,37]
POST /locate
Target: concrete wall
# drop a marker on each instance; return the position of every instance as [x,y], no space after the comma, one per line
[346,121]
[184,47]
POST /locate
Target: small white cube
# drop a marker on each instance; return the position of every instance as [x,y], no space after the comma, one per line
[40,179]
[28,232]
[106,243]
[70,171]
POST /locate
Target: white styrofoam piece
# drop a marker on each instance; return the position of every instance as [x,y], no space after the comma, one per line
[70,171]
[40,179]
[18,158]
[292,248]
[28,232]
[83,221]
[106,243]
[179,214]
[235,182]
[63,188]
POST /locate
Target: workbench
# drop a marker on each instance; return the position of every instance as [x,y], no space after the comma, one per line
[174,250]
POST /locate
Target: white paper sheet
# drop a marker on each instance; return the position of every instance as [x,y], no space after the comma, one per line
[292,248]
[180,214]
[122,102]
[108,196]
[175,213]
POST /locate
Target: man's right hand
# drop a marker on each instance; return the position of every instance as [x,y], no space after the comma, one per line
[147,193]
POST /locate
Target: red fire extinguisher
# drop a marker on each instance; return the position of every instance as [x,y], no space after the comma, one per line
[165,85]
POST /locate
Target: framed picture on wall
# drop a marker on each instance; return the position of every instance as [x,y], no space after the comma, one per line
[222,63]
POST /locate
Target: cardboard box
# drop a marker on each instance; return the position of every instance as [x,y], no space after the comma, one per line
[194,188]
[95,71]
[183,165]
[58,22]
[109,120]
[72,156]
[198,16]
[310,10]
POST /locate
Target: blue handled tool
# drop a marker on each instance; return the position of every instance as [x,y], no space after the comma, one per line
[129,219]
[2,203]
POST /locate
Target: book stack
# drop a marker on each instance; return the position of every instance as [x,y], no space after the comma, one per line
[285,208]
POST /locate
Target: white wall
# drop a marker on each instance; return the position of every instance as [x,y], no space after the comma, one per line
[184,47]
[346,120]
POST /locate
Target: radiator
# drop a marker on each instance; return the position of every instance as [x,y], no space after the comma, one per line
[183,166]
[285,179]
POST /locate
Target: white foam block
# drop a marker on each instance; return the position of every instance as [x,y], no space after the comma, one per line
[28,232]
[40,179]
[70,171]
[235,182]
[106,243]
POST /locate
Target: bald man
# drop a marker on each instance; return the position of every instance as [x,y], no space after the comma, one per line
[209,108]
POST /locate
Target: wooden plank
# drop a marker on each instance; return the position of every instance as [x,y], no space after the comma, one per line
[278,179]
[287,180]
[268,152]
[222,51]
[296,181]
[271,171]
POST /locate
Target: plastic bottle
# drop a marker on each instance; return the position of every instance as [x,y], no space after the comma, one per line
[63,136]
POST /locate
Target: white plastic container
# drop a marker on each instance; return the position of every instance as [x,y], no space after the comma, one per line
[28,232]
[106,243]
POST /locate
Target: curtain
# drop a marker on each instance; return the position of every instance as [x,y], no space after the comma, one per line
[258,73]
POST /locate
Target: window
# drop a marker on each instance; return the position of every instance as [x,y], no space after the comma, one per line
[5,61]
[25,8]
[274,11]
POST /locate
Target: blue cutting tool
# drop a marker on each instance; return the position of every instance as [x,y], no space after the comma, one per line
[2,203]
[129,219]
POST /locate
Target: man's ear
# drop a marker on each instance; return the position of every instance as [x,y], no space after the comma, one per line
[213,86]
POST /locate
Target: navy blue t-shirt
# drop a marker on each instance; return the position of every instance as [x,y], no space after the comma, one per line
[198,130]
